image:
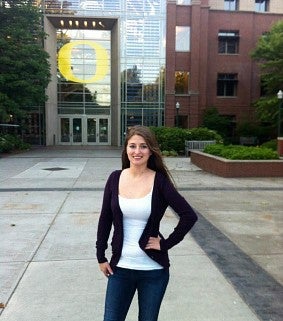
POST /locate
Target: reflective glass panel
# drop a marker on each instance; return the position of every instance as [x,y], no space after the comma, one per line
[261,5]
[91,130]
[231,5]
[103,130]
[182,38]
[84,70]
[77,130]
[65,130]
[181,82]
[183,2]
[84,81]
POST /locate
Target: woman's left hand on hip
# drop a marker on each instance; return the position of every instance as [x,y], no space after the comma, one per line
[153,243]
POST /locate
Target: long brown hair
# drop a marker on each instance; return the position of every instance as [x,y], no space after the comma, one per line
[155,161]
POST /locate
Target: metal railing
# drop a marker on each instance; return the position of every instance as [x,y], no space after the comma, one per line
[196,145]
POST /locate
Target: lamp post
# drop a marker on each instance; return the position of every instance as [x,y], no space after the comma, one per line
[280,138]
[177,116]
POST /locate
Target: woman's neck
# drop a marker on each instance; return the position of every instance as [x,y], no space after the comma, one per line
[137,171]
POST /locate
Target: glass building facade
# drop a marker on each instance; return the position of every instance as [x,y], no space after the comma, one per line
[109,60]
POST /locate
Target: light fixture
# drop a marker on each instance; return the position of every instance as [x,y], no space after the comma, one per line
[77,23]
[62,23]
[177,116]
[70,23]
[101,24]
[85,23]
[93,24]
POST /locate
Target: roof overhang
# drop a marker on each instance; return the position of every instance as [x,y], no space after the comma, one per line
[75,22]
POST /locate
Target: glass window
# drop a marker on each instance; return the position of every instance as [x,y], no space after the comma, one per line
[112,5]
[142,37]
[131,78]
[181,82]
[227,85]
[83,70]
[232,5]
[134,36]
[150,92]
[261,5]
[183,2]
[151,42]
[134,7]
[228,42]
[182,38]
[140,8]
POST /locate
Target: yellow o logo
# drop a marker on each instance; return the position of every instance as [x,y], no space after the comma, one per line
[65,64]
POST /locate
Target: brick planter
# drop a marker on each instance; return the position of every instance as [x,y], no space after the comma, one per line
[237,168]
[280,146]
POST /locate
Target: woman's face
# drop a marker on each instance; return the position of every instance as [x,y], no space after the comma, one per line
[138,151]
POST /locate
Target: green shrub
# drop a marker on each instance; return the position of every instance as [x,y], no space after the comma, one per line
[165,153]
[168,153]
[172,139]
[202,133]
[272,144]
[241,152]
[10,142]
[5,145]
[173,153]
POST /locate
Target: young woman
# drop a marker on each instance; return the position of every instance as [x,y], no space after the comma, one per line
[134,202]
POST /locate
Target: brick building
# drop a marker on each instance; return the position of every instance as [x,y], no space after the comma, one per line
[208,64]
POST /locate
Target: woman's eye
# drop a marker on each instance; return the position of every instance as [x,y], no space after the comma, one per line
[141,146]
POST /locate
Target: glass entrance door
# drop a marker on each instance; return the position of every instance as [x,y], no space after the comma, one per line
[65,134]
[84,130]
[76,133]
[98,130]
[91,130]
[103,130]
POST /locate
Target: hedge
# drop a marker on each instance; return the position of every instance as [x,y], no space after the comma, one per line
[10,142]
[241,152]
[173,138]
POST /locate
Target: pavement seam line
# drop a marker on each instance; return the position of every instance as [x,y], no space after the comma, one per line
[98,189]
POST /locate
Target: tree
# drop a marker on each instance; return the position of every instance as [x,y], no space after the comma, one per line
[269,54]
[213,120]
[24,66]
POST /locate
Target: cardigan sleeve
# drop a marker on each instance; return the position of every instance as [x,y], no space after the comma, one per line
[187,215]
[105,222]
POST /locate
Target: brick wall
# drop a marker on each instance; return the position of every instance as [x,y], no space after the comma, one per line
[203,62]
[237,168]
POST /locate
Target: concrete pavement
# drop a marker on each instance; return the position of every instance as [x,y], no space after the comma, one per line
[229,268]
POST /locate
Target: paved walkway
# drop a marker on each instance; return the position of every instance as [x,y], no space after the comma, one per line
[229,268]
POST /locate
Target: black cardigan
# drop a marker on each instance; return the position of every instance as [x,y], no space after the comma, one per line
[164,194]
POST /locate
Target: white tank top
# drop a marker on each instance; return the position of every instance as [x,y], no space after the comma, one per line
[136,212]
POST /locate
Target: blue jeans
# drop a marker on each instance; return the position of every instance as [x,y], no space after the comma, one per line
[122,285]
